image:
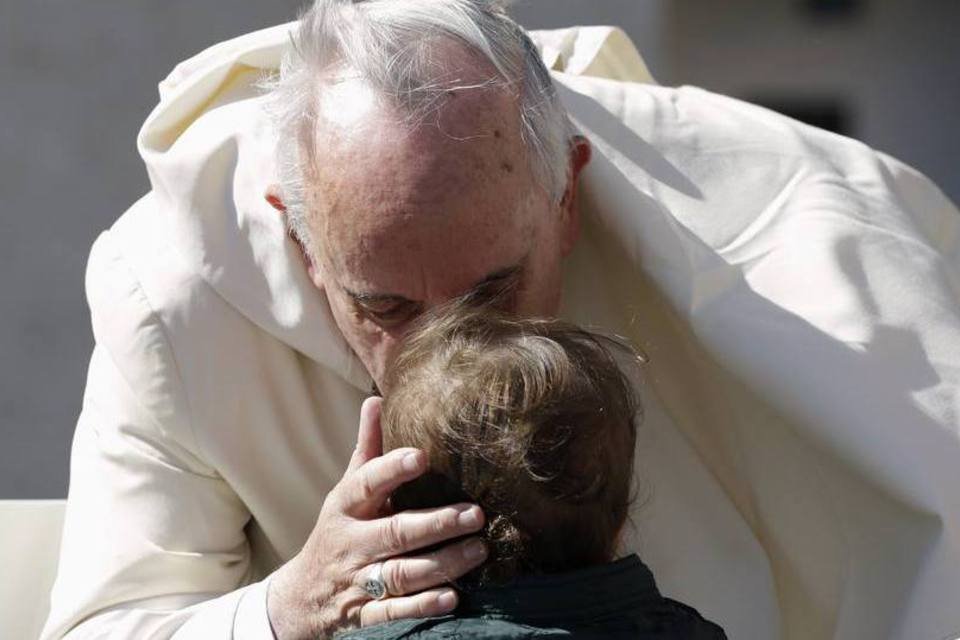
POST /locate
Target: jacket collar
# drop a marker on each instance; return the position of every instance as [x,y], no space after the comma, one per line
[595,592]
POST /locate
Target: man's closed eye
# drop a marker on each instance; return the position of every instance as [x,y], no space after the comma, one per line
[391,314]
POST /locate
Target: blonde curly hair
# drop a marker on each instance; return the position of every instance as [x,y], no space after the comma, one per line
[532,419]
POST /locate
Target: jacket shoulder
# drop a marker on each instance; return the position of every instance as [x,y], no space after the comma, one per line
[134,285]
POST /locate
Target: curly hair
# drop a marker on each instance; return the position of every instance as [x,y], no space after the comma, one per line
[532,419]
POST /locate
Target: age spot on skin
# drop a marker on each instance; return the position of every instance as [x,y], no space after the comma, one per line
[496,133]
[506,166]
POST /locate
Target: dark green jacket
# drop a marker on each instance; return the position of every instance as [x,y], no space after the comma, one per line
[616,600]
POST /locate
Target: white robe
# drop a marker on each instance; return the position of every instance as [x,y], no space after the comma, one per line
[796,292]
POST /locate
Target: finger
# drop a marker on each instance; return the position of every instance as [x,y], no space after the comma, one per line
[369,437]
[416,529]
[419,573]
[425,604]
[364,492]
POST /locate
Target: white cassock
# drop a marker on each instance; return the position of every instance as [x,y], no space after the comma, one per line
[796,292]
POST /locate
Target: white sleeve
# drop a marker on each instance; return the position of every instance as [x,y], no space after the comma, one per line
[154,542]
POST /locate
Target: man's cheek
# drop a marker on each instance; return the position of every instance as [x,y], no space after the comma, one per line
[382,347]
[371,344]
[351,327]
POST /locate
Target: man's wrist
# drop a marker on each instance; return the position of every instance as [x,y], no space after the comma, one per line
[285,618]
[252,621]
[271,599]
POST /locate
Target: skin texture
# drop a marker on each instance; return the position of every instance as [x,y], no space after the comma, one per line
[318,592]
[417,218]
[405,220]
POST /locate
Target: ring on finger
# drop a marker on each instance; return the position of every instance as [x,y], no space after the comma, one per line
[374,584]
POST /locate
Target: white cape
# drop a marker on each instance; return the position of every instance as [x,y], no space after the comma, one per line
[796,291]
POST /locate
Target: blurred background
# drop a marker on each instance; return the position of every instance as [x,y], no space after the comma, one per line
[78,79]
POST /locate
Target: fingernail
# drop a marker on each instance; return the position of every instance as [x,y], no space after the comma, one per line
[469,518]
[475,550]
[411,461]
[447,600]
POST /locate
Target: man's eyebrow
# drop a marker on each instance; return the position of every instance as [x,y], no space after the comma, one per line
[376,298]
[505,275]
[499,276]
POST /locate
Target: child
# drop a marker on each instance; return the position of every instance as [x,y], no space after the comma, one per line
[534,421]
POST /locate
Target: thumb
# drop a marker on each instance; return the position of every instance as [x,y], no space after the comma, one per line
[369,436]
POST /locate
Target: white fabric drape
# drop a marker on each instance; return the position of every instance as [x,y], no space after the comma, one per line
[796,291]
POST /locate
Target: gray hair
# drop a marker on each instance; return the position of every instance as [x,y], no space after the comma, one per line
[389,44]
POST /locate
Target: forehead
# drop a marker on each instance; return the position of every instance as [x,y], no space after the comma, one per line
[424,212]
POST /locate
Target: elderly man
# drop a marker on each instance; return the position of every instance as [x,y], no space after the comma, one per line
[795,291]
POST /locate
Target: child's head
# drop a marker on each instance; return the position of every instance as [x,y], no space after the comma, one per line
[532,420]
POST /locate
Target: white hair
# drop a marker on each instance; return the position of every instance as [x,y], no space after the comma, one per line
[390,45]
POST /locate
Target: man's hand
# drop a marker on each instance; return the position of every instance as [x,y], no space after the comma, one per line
[319,592]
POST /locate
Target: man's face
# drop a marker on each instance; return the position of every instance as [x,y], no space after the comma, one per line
[407,220]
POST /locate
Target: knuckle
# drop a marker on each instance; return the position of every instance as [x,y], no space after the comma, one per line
[446,565]
[396,576]
[392,610]
[445,521]
[344,609]
[396,461]
[366,488]
[422,606]
[333,503]
[371,614]
[395,536]
[350,562]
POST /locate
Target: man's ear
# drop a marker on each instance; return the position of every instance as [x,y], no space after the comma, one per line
[274,198]
[580,153]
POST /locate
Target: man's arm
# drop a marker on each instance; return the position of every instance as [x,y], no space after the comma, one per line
[154,543]
[153,537]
